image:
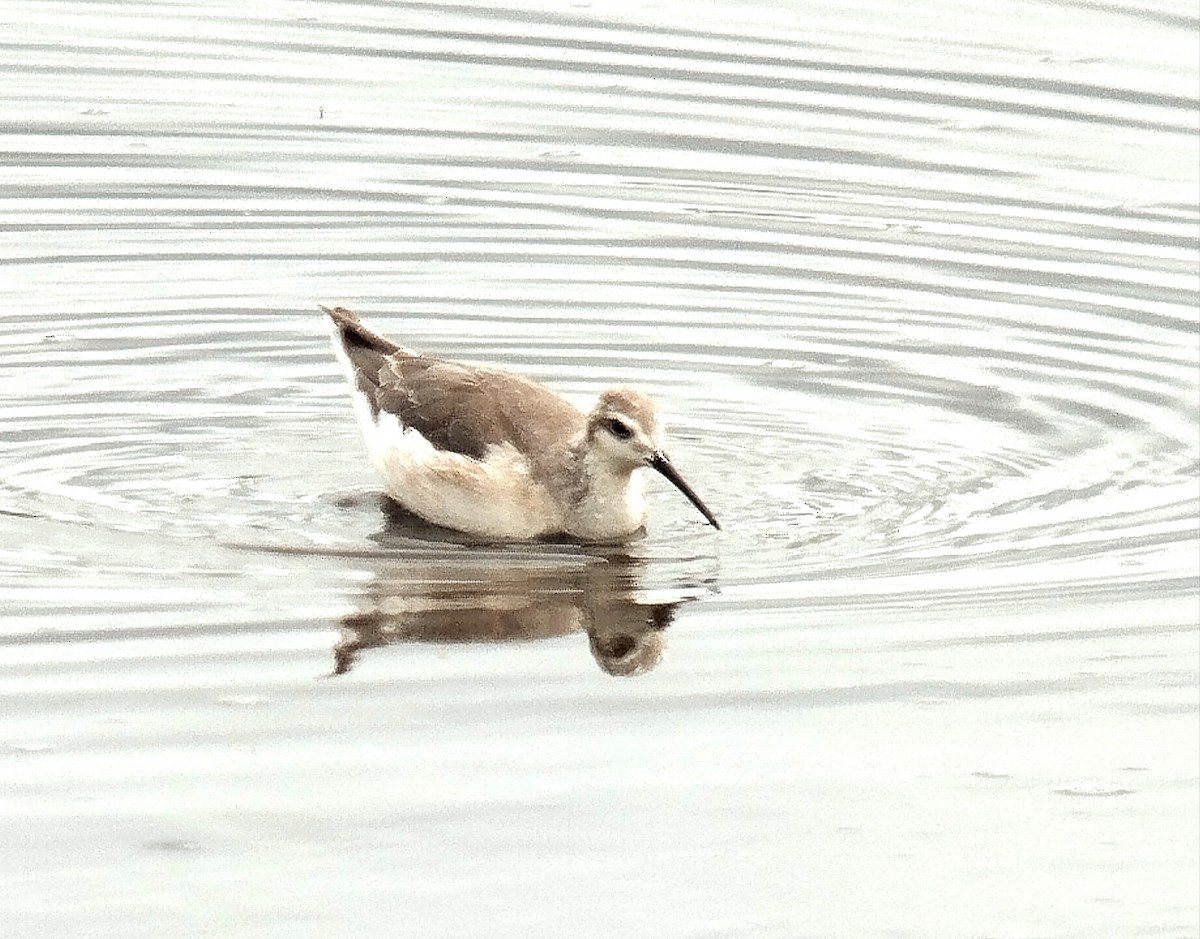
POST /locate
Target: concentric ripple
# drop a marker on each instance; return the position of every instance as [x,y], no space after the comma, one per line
[877,364]
[917,290]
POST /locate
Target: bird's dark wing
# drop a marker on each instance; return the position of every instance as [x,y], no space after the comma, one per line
[466,409]
[459,408]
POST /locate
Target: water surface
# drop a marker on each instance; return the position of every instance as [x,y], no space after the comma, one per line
[918,290]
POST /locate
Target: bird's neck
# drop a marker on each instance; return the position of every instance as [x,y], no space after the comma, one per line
[611,502]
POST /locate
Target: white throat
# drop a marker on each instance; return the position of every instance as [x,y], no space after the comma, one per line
[612,504]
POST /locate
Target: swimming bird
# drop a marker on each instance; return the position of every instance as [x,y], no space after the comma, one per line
[495,455]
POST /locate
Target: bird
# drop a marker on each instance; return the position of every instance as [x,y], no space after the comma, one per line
[496,456]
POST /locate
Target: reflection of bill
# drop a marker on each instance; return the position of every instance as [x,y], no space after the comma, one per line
[450,593]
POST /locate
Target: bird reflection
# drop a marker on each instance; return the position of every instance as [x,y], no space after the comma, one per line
[433,588]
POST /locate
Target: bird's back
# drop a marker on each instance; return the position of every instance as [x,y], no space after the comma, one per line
[458,408]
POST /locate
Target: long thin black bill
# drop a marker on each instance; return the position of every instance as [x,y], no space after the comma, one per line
[660,462]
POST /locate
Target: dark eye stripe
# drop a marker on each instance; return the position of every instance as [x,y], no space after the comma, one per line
[618,429]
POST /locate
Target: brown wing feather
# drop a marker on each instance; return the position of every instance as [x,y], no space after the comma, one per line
[467,410]
[356,334]
[457,408]
[367,351]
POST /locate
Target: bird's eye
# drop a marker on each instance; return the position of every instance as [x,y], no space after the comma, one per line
[618,428]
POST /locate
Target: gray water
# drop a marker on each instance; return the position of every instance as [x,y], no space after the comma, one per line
[917,287]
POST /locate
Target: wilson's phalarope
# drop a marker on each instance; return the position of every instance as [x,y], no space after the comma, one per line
[495,455]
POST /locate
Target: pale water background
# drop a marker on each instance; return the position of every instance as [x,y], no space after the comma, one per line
[917,285]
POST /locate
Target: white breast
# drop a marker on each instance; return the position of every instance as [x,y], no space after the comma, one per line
[613,505]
